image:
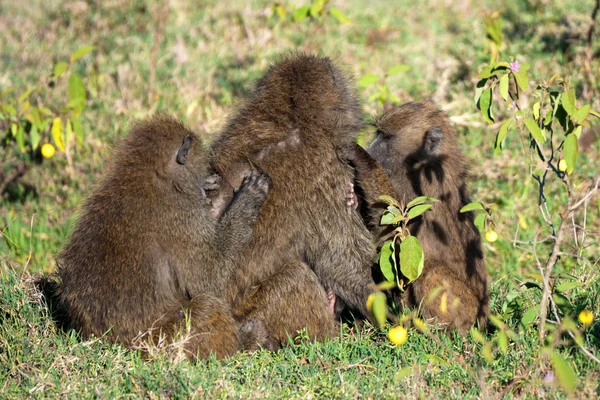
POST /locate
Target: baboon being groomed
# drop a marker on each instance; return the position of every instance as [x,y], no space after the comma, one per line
[307,243]
[418,149]
[149,251]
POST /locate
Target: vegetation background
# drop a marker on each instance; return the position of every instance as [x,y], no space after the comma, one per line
[196,59]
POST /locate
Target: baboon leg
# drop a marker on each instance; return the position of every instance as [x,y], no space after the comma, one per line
[290,300]
[447,299]
[212,328]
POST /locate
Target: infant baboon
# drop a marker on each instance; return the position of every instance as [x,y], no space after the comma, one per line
[149,249]
[418,149]
[306,242]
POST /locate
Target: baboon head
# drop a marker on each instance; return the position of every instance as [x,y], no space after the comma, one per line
[314,93]
[162,152]
[417,139]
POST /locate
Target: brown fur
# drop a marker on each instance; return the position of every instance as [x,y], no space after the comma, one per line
[147,251]
[304,233]
[418,149]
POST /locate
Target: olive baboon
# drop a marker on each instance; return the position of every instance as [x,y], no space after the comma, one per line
[418,149]
[147,251]
[307,243]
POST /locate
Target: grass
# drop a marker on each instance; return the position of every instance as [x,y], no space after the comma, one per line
[208,58]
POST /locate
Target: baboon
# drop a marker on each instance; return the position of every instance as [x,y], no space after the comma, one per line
[149,250]
[418,149]
[307,244]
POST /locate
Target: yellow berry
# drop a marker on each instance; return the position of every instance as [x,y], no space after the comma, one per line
[491,236]
[398,335]
[586,317]
[562,165]
[48,150]
[370,300]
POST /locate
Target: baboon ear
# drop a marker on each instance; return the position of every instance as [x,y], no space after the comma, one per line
[182,152]
[433,138]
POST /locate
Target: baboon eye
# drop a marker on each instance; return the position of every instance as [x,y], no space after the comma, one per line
[182,152]
[433,139]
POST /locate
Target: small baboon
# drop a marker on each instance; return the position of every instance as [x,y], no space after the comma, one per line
[418,149]
[149,250]
[307,246]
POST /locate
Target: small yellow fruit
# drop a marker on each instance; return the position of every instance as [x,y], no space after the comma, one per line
[562,165]
[398,335]
[48,150]
[491,236]
[370,300]
[586,317]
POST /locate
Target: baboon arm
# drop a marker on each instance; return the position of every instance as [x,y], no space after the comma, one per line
[372,177]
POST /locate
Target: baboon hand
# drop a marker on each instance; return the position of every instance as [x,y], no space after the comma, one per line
[256,182]
[212,182]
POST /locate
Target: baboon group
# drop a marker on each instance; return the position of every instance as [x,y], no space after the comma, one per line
[275,228]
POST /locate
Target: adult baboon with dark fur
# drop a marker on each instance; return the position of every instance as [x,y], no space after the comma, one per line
[418,149]
[150,250]
[304,230]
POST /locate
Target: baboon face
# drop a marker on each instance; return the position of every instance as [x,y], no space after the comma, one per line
[413,137]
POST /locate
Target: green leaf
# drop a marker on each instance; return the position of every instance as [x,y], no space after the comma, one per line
[78,131]
[568,101]
[389,216]
[474,206]
[485,104]
[387,285]
[503,87]
[398,68]
[486,351]
[503,341]
[480,221]
[337,14]
[570,152]
[566,377]
[502,133]
[60,69]
[25,95]
[421,200]
[379,308]
[81,52]
[486,72]
[280,11]
[19,135]
[477,335]
[77,92]
[418,210]
[34,137]
[522,77]
[581,114]
[530,316]
[536,110]
[368,80]
[386,261]
[57,133]
[411,258]
[301,13]
[577,132]
[68,132]
[403,373]
[563,287]
[595,113]
[548,119]
[535,130]
[317,7]
[389,200]
[479,90]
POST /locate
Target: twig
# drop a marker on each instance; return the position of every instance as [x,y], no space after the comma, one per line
[19,171]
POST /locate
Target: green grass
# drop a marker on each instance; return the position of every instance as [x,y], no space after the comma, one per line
[208,59]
